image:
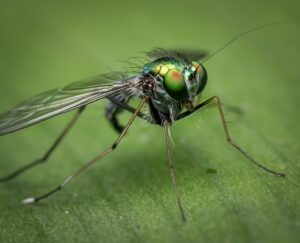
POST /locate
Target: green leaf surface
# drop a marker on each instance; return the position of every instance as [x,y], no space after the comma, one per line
[127,197]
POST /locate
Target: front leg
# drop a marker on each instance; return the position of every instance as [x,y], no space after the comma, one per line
[216,100]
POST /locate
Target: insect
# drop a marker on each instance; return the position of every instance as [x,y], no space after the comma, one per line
[168,85]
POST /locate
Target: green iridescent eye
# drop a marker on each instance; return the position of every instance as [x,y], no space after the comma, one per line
[202,78]
[197,66]
[175,85]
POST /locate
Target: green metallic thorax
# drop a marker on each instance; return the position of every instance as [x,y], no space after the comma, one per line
[160,67]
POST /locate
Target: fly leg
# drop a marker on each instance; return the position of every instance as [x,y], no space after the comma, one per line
[111,112]
[171,168]
[216,100]
[49,151]
[114,122]
[116,106]
[112,109]
[88,163]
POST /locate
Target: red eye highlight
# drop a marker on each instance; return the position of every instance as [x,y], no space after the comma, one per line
[175,85]
[176,75]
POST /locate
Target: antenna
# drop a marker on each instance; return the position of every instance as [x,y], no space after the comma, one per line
[243,34]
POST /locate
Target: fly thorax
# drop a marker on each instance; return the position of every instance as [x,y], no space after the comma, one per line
[163,102]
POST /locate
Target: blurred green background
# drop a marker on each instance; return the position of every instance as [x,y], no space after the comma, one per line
[127,197]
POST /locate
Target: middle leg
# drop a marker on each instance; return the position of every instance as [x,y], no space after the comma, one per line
[89,163]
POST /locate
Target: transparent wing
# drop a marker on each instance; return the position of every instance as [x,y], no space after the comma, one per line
[58,101]
[194,55]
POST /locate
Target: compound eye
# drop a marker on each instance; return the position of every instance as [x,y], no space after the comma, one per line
[202,78]
[175,85]
[198,67]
